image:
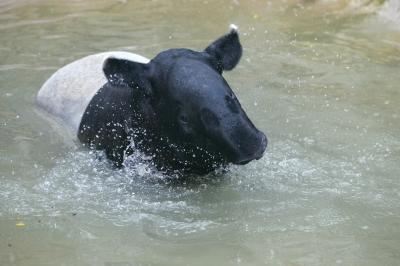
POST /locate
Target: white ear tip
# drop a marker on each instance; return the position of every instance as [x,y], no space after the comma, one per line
[233,27]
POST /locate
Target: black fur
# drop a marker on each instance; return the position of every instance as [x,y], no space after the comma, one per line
[178,109]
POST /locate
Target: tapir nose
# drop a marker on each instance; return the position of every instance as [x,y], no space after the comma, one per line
[257,154]
[263,146]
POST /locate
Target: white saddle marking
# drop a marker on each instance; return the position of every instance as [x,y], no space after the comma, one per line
[67,93]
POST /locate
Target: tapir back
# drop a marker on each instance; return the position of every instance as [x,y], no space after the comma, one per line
[67,93]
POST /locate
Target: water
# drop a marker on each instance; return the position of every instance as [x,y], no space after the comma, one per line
[319,77]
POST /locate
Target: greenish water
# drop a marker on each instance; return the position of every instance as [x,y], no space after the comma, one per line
[320,78]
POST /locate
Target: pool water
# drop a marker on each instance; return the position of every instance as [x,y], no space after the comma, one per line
[320,78]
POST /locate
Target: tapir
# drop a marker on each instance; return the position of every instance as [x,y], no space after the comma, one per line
[176,108]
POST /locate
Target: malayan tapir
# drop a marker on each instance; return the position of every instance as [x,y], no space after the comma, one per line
[176,108]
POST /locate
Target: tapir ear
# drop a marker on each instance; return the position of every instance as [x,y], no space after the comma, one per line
[227,50]
[125,72]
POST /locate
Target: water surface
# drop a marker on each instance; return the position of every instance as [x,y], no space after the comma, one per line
[320,78]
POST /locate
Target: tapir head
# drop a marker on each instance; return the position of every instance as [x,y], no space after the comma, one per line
[192,119]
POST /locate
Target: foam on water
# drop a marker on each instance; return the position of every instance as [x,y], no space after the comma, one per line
[283,181]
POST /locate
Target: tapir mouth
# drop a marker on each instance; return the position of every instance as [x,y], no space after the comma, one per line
[258,154]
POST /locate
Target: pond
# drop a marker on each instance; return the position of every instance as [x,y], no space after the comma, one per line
[320,78]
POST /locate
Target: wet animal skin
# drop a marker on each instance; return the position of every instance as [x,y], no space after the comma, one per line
[176,108]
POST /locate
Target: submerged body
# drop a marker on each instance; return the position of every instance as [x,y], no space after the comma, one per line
[176,108]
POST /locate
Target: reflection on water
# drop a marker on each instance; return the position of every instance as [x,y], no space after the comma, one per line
[319,77]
